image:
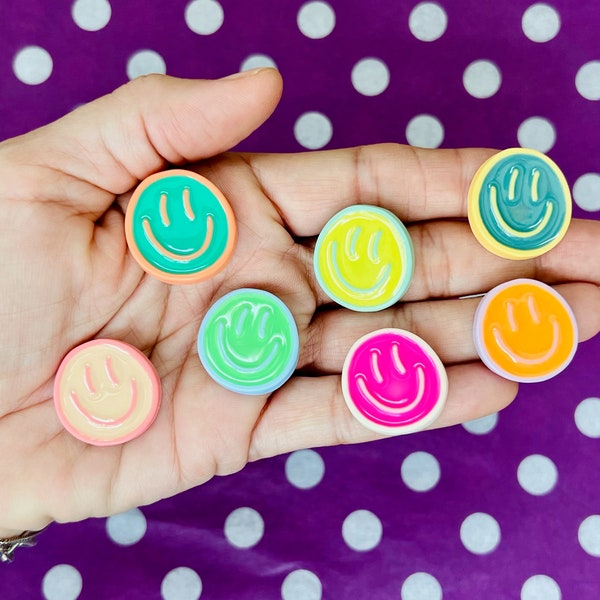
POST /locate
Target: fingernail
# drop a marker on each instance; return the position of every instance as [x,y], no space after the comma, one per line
[244,74]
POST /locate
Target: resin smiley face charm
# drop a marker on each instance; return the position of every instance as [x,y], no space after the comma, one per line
[364,258]
[519,204]
[525,331]
[248,342]
[106,392]
[393,382]
[179,227]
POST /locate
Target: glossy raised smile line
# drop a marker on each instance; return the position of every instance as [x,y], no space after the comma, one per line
[179,257]
[510,230]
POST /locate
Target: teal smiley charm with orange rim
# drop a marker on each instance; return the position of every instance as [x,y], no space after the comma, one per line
[519,204]
[180,227]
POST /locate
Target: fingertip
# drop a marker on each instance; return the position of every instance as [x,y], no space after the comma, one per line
[474,392]
[584,300]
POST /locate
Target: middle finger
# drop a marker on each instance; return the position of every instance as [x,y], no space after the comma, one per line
[450,262]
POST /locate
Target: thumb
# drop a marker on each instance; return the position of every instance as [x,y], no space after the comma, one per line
[119,139]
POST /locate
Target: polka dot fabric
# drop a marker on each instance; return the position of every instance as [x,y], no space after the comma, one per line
[503,507]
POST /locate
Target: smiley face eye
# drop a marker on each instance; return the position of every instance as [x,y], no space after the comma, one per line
[535,179]
[187,207]
[533,309]
[375,366]
[514,185]
[87,379]
[373,249]
[351,242]
[397,361]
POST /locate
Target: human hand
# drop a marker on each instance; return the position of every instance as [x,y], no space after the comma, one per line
[67,277]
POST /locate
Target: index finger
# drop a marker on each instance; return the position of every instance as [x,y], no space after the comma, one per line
[414,183]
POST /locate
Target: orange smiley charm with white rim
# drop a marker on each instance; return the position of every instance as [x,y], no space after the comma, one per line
[525,331]
[106,392]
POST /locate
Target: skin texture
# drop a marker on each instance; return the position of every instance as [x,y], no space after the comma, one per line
[67,277]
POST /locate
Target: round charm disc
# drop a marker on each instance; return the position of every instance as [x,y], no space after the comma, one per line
[106,392]
[525,331]
[519,204]
[248,342]
[364,258]
[393,382]
[179,227]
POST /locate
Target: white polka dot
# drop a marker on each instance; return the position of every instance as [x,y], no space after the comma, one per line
[62,582]
[537,475]
[316,20]
[32,65]
[370,76]
[425,131]
[587,80]
[244,527]
[204,17]
[421,586]
[537,133]
[480,533]
[145,62]
[428,21]
[587,414]
[482,79]
[127,528]
[540,23]
[420,471]
[362,530]
[304,469]
[255,61]
[301,585]
[181,583]
[586,191]
[482,425]
[540,587]
[589,535]
[313,130]
[91,15]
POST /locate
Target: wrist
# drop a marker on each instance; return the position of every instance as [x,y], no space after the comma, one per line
[8,533]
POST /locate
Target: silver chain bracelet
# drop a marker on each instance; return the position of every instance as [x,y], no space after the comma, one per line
[9,545]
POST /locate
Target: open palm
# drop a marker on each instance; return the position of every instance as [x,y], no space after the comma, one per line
[67,277]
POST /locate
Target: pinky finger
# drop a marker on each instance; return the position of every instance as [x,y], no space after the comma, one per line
[310,412]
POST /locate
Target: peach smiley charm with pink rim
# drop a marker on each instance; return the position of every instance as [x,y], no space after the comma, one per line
[106,392]
[393,382]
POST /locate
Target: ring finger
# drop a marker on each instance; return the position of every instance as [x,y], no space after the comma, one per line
[446,325]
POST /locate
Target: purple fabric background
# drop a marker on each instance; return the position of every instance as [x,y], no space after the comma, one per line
[303,527]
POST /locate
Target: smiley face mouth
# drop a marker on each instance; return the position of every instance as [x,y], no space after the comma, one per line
[537,360]
[116,422]
[237,364]
[381,279]
[508,229]
[394,406]
[183,256]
